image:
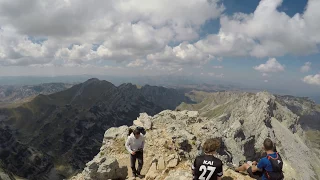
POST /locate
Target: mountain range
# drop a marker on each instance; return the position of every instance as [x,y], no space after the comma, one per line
[57,135]
[14,95]
[53,136]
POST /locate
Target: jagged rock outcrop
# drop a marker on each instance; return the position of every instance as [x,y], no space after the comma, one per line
[245,119]
[241,120]
[170,146]
[144,121]
[101,169]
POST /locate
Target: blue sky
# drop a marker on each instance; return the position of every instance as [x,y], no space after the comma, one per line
[271,44]
[243,67]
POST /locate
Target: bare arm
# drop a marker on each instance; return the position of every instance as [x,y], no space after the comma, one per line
[255,168]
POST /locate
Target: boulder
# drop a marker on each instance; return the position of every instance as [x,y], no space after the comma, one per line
[193,114]
[172,161]
[144,120]
[161,164]
[113,133]
[105,168]
[152,173]
[138,123]
[179,175]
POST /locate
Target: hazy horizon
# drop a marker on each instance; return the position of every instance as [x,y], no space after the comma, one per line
[268,44]
[164,80]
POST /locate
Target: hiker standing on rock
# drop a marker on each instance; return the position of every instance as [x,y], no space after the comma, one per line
[206,166]
[135,145]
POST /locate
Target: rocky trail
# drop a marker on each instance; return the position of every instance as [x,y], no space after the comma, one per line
[125,161]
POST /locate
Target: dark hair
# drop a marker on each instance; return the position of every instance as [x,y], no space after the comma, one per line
[211,145]
[130,131]
[136,131]
[268,144]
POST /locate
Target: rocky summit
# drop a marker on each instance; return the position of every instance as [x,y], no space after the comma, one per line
[241,120]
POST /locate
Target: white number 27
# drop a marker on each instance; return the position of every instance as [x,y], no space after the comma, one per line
[205,169]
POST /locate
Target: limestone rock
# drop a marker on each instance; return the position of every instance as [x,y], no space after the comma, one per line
[152,173]
[172,161]
[229,174]
[179,175]
[144,121]
[193,114]
[161,164]
[119,132]
[138,123]
[104,168]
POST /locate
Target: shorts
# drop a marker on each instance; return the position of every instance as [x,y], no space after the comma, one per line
[254,175]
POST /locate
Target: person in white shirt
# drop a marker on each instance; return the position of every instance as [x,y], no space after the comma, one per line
[135,145]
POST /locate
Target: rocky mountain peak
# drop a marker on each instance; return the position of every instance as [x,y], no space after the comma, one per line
[241,120]
[91,80]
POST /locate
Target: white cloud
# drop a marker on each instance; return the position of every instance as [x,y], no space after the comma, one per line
[275,33]
[76,53]
[129,42]
[306,67]
[136,63]
[265,75]
[221,75]
[266,32]
[312,79]
[42,65]
[17,49]
[220,59]
[184,54]
[104,30]
[61,18]
[225,44]
[125,31]
[217,67]
[272,65]
[266,81]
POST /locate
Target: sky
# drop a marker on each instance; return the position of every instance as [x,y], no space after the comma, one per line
[268,44]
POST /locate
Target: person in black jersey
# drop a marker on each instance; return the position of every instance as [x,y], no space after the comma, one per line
[208,167]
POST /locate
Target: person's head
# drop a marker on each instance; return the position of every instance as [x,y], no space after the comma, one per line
[130,131]
[211,145]
[268,145]
[136,133]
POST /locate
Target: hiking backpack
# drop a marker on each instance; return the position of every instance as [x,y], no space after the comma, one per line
[277,165]
[142,130]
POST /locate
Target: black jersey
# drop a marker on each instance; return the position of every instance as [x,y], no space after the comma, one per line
[207,167]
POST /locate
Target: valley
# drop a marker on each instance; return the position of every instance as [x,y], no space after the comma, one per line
[64,130]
